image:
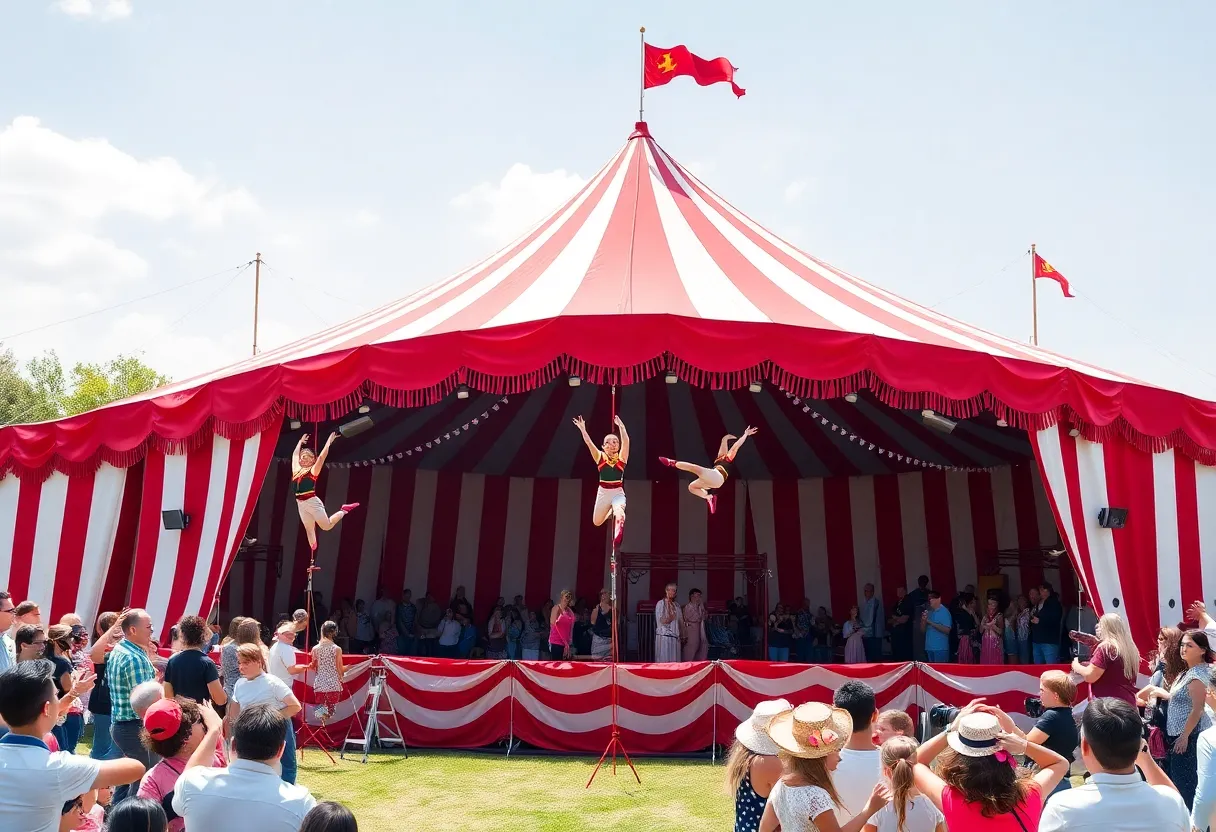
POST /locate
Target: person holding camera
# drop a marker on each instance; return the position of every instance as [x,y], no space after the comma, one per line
[1055,728]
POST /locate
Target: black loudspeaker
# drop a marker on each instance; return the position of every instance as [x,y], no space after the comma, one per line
[1112,518]
[175,519]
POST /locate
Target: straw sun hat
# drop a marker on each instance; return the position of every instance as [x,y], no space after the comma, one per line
[812,730]
[751,732]
[975,735]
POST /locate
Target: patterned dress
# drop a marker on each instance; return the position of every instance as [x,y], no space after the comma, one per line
[991,645]
[749,806]
[327,685]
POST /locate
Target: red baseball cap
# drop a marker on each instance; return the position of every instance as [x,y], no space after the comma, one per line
[163,719]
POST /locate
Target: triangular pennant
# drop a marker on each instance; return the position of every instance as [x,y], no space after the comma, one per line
[474,420]
[418,448]
[428,444]
[485,415]
[447,436]
[465,425]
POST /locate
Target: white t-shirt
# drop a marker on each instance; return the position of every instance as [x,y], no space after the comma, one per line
[282,657]
[854,779]
[34,783]
[921,816]
[261,690]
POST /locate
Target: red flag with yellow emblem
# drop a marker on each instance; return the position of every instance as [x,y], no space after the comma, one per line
[1044,269]
[665,63]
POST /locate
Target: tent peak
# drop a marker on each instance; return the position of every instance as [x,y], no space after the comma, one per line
[640,131]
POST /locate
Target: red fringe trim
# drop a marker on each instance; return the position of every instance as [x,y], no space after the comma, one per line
[596,374]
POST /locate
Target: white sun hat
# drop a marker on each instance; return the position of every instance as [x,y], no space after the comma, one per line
[752,732]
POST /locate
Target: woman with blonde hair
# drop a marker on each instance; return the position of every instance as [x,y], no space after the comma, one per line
[978,785]
[752,765]
[561,628]
[805,799]
[909,810]
[1116,660]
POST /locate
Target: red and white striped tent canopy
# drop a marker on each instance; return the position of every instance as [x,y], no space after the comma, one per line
[644,272]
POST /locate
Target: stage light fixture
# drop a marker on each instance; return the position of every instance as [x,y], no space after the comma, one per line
[851,398]
[936,422]
[365,408]
[295,424]
[672,378]
[354,428]
[755,387]
[1074,433]
[574,381]
[1001,423]
[1112,518]
[462,392]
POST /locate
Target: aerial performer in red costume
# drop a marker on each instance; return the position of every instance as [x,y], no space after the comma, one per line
[709,479]
[305,468]
[611,460]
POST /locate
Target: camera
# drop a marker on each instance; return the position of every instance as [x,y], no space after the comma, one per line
[1034,707]
[935,720]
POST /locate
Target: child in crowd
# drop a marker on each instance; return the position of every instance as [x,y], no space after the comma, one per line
[893,723]
[909,810]
[810,738]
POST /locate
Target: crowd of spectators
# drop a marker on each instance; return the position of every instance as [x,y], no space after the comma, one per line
[162,757]
[848,768]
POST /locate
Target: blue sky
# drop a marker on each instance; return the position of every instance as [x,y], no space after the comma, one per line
[369,148]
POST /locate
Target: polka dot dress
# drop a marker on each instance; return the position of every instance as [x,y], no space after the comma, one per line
[749,806]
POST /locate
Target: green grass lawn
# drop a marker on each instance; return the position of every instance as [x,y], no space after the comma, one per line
[472,791]
[433,790]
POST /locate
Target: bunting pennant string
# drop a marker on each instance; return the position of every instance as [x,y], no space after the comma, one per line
[849,435]
[420,449]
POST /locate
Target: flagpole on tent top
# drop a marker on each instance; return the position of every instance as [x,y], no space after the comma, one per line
[642,78]
[1034,300]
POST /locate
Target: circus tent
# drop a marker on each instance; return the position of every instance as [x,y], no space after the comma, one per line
[642,278]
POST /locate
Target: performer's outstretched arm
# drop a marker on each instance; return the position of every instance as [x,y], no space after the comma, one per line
[582,428]
[624,440]
[734,449]
[295,455]
[320,463]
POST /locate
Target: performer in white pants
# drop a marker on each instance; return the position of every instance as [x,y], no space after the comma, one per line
[668,625]
[716,477]
[611,460]
[305,468]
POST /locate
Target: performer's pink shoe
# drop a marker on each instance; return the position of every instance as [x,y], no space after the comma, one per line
[349,507]
[670,463]
[619,532]
[712,499]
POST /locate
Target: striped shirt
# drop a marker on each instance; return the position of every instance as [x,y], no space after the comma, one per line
[127,667]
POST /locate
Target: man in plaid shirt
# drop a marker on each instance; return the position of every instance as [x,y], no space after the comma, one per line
[128,665]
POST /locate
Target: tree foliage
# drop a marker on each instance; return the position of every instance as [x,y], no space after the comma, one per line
[45,391]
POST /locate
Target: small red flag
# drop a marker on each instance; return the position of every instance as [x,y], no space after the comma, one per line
[665,63]
[1044,269]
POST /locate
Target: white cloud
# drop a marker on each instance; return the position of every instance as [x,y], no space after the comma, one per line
[43,172]
[364,218]
[794,190]
[519,200]
[99,9]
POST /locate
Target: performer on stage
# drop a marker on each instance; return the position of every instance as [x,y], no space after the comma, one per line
[669,624]
[305,468]
[611,460]
[711,478]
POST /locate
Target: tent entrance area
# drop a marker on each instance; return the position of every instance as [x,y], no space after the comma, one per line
[496,494]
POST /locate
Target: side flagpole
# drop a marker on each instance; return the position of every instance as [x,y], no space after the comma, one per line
[1034,300]
[642,75]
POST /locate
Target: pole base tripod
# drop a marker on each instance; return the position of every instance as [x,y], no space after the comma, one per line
[309,735]
[614,742]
